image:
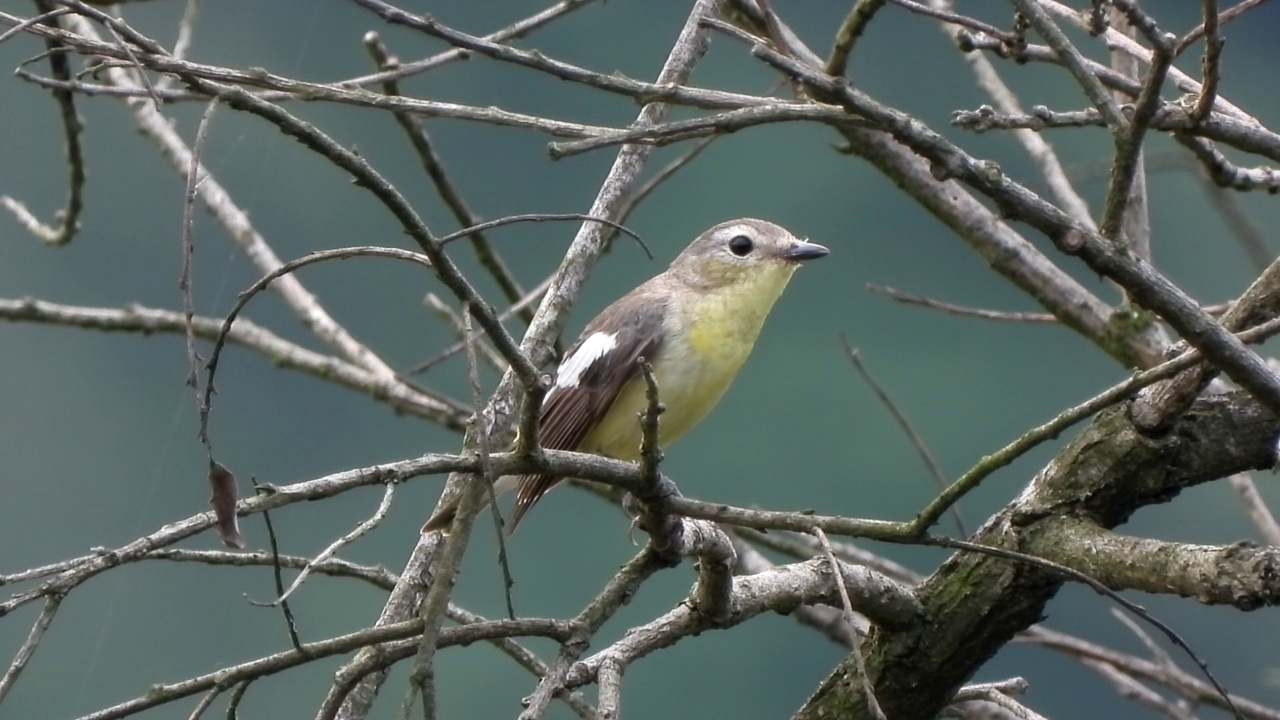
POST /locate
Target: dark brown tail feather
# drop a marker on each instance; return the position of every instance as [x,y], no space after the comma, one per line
[530,490]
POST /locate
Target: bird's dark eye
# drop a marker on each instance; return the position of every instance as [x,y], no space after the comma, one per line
[740,245]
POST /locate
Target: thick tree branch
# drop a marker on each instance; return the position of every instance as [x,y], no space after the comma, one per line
[974,605]
[1243,575]
[581,256]
[1169,117]
[781,589]
[1144,284]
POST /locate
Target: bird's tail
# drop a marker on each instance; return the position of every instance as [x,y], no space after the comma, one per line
[447,509]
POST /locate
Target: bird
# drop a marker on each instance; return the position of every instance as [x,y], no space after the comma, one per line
[695,323]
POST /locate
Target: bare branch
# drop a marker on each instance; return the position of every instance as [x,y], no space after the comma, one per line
[514,31]
[282,353]
[1227,16]
[903,423]
[1073,61]
[156,128]
[776,590]
[384,506]
[1209,65]
[527,660]
[1238,575]
[1187,685]
[851,28]
[66,221]
[1255,508]
[1144,284]
[164,693]
[1125,187]
[873,705]
[1000,694]
[448,191]
[28,648]
[909,299]
[457,324]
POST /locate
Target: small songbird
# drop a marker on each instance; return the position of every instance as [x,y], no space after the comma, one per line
[695,324]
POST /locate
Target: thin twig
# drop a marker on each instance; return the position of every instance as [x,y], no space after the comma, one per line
[401,396]
[851,28]
[602,607]
[1227,16]
[545,217]
[921,301]
[513,31]
[947,16]
[827,620]
[655,516]
[237,696]
[1134,226]
[1225,173]
[276,573]
[904,424]
[1176,679]
[407,631]
[868,692]
[447,566]
[458,324]
[1066,419]
[482,432]
[359,531]
[186,30]
[531,298]
[1133,608]
[378,577]
[1037,147]
[1255,508]
[1071,58]
[722,123]
[194,361]
[998,694]
[526,659]
[670,169]
[1209,64]
[206,701]
[1128,137]
[280,272]
[448,191]
[1157,653]
[21,25]
[1129,687]
[67,220]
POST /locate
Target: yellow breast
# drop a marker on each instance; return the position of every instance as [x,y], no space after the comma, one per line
[707,339]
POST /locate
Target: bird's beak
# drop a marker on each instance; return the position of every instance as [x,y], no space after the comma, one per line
[801,250]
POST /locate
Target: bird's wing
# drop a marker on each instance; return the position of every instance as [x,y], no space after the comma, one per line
[593,373]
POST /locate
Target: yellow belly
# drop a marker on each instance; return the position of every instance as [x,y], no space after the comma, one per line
[706,346]
[688,396]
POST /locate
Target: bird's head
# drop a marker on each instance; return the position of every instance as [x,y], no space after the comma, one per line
[743,252]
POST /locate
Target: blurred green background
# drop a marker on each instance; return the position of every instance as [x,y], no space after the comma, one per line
[98,431]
